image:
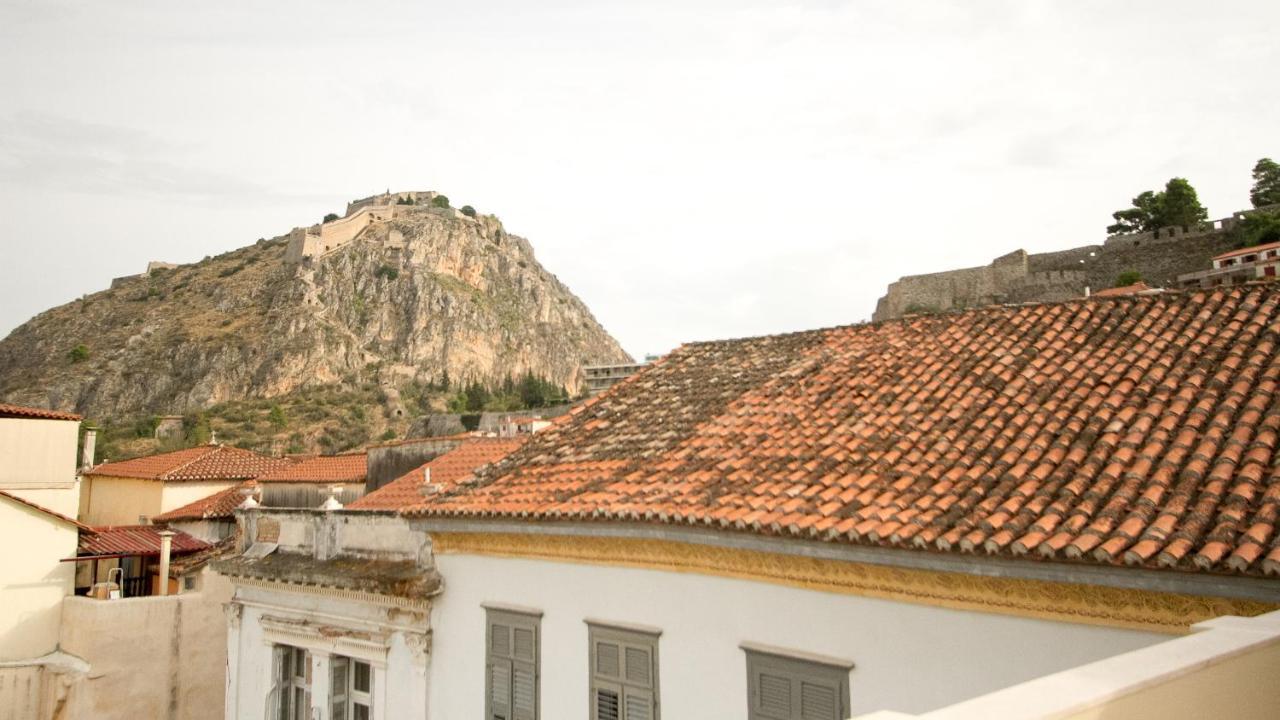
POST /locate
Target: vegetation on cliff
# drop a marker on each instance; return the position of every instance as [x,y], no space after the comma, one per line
[407,318]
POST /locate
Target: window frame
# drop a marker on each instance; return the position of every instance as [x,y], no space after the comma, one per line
[287,683]
[624,636]
[797,666]
[349,695]
[516,618]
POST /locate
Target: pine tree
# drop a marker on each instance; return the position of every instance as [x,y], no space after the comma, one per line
[1266,183]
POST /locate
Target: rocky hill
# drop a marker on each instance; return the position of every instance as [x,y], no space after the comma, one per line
[410,296]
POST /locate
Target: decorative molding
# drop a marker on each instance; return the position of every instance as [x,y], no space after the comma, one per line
[370,646]
[391,601]
[1068,602]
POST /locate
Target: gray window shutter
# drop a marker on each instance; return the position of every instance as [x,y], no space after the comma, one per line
[499,682]
[338,683]
[606,702]
[637,704]
[773,696]
[623,665]
[784,687]
[524,690]
[511,666]
[818,701]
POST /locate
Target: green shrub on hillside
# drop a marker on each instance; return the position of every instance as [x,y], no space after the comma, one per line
[440,201]
[468,211]
[1128,277]
[79,353]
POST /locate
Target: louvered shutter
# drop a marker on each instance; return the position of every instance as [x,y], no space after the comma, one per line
[773,697]
[277,675]
[818,701]
[511,681]
[790,688]
[637,704]
[499,688]
[339,681]
[606,702]
[623,673]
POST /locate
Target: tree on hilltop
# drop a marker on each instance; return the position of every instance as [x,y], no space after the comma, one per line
[1141,217]
[1176,205]
[440,201]
[1266,183]
[330,217]
[1180,206]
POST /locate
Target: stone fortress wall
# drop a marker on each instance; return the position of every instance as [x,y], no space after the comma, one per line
[1019,277]
[309,243]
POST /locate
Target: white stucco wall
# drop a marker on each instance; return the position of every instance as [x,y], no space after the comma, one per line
[32,580]
[908,657]
[399,674]
[38,453]
[121,501]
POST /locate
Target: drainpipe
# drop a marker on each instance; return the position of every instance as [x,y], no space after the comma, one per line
[166,547]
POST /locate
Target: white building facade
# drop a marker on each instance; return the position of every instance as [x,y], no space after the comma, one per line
[369,615]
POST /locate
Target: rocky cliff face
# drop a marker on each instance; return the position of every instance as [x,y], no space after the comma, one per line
[428,293]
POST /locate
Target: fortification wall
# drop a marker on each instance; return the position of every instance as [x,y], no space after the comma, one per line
[1160,257]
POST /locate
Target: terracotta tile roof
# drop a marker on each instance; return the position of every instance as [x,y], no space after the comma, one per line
[1124,290]
[43,509]
[349,468]
[1247,251]
[446,470]
[1139,430]
[20,411]
[218,506]
[133,540]
[206,462]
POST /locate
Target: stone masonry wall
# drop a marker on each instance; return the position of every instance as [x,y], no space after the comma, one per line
[1055,276]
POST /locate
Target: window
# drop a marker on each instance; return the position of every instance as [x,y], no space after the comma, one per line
[511,664]
[624,672]
[290,697]
[350,689]
[787,686]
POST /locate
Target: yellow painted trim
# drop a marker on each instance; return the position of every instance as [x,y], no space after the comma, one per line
[1070,602]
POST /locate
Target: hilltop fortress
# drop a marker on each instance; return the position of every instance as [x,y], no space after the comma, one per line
[306,244]
[1017,277]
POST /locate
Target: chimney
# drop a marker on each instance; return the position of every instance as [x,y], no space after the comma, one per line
[166,548]
[90,444]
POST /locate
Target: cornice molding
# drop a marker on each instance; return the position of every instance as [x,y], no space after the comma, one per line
[340,593]
[1129,608]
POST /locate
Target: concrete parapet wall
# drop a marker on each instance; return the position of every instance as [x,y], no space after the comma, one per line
[149,657]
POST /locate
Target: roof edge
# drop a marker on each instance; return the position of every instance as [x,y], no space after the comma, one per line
[1239,587]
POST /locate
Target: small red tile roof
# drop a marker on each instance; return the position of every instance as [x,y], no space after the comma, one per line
[218,506]
[1139,430]
[133,540]
[21,411]
[1247,251]
[1124,290]
[40,508]
[205,462]
[349,468]
[446,470]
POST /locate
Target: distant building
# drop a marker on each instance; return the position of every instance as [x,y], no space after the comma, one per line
[131,492]
[598,378]
[1235,267]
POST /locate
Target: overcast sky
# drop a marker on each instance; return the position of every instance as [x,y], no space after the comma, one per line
[692,170]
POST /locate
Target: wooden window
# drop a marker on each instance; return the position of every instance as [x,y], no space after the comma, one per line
[511,664]
[786,686]
[350,689]
[624,672]
[290,697]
